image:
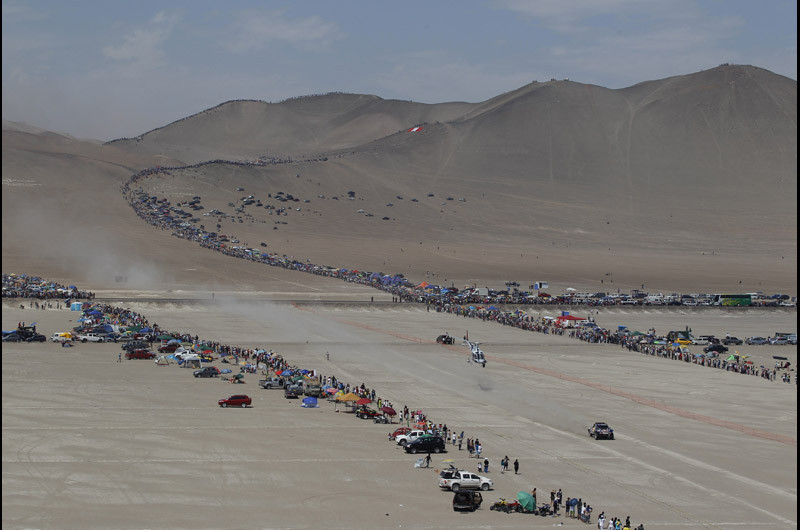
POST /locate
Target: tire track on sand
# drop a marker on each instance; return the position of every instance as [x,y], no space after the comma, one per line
[744,429]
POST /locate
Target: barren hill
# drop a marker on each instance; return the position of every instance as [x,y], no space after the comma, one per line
[685,183]
[305,125]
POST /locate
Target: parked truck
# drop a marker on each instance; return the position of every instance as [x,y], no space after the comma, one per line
[312,387]
[271,382]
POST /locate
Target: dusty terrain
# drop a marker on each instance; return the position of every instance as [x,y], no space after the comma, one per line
[686,184]
[89,443]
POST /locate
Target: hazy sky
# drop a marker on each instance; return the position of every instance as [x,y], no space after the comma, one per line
[104,70]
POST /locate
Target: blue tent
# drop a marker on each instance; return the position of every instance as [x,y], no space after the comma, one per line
[146,330]
[310,402]
[492,308]
[304,371]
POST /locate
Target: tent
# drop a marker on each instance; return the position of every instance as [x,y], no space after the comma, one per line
[310,403]
[347,397]
[162,361]
[527,501]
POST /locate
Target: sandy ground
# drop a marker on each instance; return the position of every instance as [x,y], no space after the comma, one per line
[90,443]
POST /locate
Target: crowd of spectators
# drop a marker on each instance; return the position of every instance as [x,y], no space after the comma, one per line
[25,286]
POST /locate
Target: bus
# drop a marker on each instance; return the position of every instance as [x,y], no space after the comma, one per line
[733,300]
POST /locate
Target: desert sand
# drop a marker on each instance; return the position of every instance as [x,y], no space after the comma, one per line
[90,443]
[686,184]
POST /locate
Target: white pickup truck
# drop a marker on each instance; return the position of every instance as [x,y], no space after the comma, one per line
[466,480]
[404,439]
[90,337]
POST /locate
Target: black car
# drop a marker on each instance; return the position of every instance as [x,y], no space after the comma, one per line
[11,337]
[426,444]
[37,337]
[467,500]
[208,371]
[732,340]
[445,339]
[719,348]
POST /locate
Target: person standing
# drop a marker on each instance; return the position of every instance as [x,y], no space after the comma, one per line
[516,466]
[119,357]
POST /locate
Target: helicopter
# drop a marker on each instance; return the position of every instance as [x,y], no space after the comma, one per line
[477,353]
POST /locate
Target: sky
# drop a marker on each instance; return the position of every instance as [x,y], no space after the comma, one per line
[104,70]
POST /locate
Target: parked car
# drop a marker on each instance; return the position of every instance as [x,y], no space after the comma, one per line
[367,414]
[717,348]
[208,371]
[140,354]
[61,337]
[408,437]
[601,430]
[36,337]
[10,337]
[426,444]
[168,348]
[779,341]
[756,341]
[703,340]
[135,345]
[272,382]
[727,341]
[91,337]
[466,480]
[467,500]
[239,400]
[397,432]
[292,391]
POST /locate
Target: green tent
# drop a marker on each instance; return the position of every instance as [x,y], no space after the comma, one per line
[165,337]
[527,501]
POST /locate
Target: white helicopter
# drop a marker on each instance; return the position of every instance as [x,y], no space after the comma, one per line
[477,353]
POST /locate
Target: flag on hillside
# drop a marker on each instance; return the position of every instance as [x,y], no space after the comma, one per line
[415,129]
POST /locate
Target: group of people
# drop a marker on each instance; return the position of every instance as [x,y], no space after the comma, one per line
[737,363]
[25,286]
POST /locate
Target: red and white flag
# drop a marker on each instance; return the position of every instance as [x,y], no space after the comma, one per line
[415,129]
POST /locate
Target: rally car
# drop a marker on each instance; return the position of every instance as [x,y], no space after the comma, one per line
[601,430]
[445,339]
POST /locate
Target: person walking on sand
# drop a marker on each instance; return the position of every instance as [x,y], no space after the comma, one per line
[516,466]
[119,357]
